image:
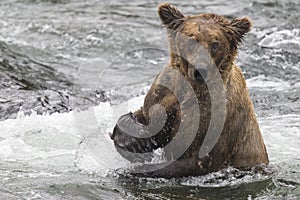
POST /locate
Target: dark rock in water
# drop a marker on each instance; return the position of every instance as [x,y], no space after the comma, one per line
[29,85]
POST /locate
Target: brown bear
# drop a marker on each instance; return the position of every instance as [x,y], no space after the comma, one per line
[203,50]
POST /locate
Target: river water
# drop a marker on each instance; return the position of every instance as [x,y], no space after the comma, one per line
[68,69]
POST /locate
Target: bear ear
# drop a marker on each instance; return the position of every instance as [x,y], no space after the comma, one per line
[170,16]
[240,26]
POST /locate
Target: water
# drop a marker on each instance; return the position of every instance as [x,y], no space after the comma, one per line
[58,56]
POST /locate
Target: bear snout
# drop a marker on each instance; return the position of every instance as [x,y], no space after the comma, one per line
[200,74]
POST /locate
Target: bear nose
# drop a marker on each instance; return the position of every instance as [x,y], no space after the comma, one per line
[200,74]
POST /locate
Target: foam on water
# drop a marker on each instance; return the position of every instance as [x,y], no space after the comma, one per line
[267,83]
[282,136]
[54,141]
[39,141]
[288,40]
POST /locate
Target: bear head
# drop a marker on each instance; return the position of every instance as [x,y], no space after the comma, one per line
[199,42]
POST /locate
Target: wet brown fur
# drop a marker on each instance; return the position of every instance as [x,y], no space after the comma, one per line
[241,144]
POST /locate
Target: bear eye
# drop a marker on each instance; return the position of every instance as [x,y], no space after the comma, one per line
[214,47]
